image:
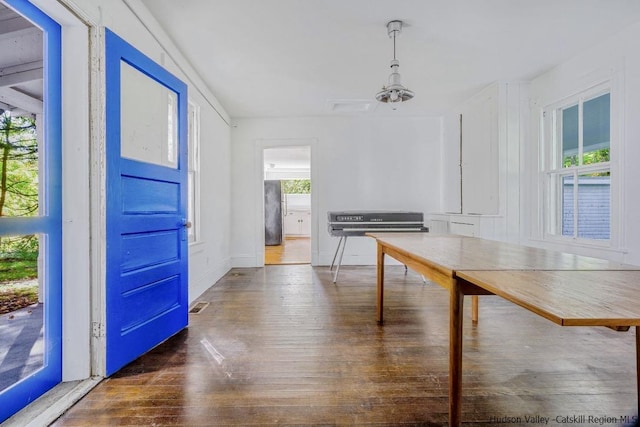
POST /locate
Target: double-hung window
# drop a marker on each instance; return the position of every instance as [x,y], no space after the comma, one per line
[193,207]
[577,167]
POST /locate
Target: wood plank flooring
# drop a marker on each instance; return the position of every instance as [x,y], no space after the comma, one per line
[283,345]
[294,250]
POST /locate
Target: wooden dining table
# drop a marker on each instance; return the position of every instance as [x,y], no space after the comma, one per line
[568,289]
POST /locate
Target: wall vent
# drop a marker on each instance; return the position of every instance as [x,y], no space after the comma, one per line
[198,307]
[350,105]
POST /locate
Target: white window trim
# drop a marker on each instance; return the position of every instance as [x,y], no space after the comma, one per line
[549,151]
[194,168]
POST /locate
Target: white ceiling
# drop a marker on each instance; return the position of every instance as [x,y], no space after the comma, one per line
[281,58]
[20,64]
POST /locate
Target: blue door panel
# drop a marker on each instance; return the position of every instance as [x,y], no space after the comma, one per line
[146,335]
[144,195]
[137,278]
[150,301]
[146,244]
[131,224]
[149,249]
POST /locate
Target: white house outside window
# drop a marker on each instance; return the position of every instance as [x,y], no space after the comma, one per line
[578,175]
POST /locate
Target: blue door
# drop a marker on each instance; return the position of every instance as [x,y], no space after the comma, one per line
[146,176]
[31,219]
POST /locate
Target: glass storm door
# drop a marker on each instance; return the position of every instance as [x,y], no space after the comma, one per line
[146,295]
[30,205]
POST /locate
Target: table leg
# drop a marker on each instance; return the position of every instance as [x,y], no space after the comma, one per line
[474,308]
[380,294]
[456,305]
[638,365]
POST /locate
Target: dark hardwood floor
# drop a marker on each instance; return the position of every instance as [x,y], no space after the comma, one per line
[283,345]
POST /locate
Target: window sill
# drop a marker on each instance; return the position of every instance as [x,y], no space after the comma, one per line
[604,246]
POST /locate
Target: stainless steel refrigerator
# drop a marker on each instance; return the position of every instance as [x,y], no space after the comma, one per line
[273,219]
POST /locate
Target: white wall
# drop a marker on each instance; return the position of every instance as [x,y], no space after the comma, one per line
[505,135]
[357,162]
[75,193]
[619,58]
[209,259]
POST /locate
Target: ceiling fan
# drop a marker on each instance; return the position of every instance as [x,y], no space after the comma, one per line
[394,91]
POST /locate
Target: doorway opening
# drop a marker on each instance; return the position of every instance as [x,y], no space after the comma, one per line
[287,205]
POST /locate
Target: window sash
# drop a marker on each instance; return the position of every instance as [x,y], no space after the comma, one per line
[577,211]
[568,187]
[571,129]
[193,204]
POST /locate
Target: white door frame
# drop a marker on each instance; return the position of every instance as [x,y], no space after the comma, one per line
[260,146]
[76,205]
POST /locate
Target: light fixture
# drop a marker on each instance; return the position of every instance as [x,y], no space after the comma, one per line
[394,91]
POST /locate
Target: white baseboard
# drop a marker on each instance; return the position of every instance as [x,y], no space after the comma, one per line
[209,278]
[243,261]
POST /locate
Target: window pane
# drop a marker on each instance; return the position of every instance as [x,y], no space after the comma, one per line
[19,168]
[191,123]
[171,156]
[596,130]
[296,186]
[149,117]
[594,206]
[21,309]
[567,205]
[193,132]
[570,136]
